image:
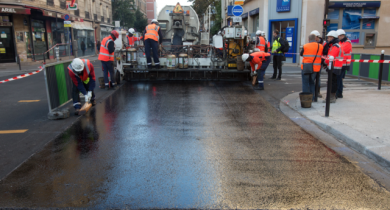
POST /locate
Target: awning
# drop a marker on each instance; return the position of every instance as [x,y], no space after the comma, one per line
[355,4]
[82,25]
[14,9]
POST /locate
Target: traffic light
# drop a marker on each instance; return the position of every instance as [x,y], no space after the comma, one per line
[326,22]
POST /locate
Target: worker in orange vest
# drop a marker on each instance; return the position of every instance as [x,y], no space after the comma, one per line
[153,37]
[268,46]
[346,53]
[131,39]
[311,64]
[259,62]
[82,73]
[260,41]
[106,56]
[335,52]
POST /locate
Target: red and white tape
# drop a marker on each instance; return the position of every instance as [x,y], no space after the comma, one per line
[22,76]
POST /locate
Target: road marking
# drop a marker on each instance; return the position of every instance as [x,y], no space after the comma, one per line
[25,101]
[12,131]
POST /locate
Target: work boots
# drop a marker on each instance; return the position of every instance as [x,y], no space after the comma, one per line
[332,98]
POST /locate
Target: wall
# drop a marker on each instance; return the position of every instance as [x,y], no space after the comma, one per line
[20,27]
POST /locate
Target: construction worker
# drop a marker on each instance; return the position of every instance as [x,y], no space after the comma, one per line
[131,39]
[152,38]
[320,41]
[277,46]
[82,73]
[335,52]
[311,53]
[346,51]
[260,41]
[259,62]
[268,44]
[106,56]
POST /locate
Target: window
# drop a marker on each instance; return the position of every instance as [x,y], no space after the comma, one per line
[63,4]
[101,9]
[107,13]
[50,2]
[77,12]
[358,23]
[87,15]
[86,9]
[255,23]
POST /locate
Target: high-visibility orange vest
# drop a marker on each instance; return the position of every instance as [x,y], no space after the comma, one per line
[261,44]
[104,55]
[152,32]
[131,41]
[269,46]
[335,51]
[310,51]
[346,52]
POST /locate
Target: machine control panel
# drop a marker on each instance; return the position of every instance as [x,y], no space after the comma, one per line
[238,34]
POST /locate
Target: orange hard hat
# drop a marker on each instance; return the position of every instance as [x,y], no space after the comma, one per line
[115,33]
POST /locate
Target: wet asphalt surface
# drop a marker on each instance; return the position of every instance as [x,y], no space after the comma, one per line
[189,145]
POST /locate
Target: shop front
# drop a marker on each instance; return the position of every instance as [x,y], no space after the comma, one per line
[358,19]
[84,35]
[285,16]
[255,21]
[8,50]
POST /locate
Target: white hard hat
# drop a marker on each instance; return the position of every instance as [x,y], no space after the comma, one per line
[333,33]
[131,30]
[77,65]
[341,32]
[315,32]
[154,21]
[258,33]
[263,33]
[245,57]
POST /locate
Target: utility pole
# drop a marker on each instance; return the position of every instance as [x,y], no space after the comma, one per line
[223,12]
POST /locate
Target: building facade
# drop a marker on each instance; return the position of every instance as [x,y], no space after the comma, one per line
[151,10]
[30,28]
[365,22]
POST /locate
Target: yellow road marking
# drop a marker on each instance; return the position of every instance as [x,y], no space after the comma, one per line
[22,101]
[12,131]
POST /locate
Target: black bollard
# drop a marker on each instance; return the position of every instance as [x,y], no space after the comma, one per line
[330,74]
[381,70]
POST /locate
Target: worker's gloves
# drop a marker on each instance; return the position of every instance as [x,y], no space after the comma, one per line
[253,73]
[90,94]
[87,98]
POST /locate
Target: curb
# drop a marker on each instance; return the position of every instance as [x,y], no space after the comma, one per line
[342,132]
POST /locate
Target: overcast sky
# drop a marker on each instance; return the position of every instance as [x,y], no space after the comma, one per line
[161,3]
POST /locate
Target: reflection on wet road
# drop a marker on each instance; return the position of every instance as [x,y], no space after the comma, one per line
[188,145]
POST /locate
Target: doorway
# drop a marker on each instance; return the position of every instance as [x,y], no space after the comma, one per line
[7,48]
[39,38]
[288,31]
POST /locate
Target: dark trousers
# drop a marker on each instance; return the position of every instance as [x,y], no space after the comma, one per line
[340,85]
[334,83]
[76,95]
[108,66]
[277,62]
[150,43]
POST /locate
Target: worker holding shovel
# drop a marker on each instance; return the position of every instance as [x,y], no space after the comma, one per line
[82,73]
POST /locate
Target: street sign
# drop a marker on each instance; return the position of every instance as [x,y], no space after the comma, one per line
[70,7]
[237,10]
[237,19]
[239,2]
[67,24]
[66,17]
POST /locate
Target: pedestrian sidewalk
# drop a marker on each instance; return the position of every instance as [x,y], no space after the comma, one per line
[360,119]
[8,69]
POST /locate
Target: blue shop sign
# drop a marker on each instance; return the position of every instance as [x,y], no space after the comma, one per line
[254,12]
[230,11]
[354,4]
[283,5]
[245,15]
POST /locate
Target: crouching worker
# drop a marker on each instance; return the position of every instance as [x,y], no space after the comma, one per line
[82,73]
[259,62]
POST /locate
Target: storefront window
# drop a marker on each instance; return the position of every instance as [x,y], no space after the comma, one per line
[61,36]
[369,23]
[353,36]
[333,14]
[351,18]
[85,41]
[39,38]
